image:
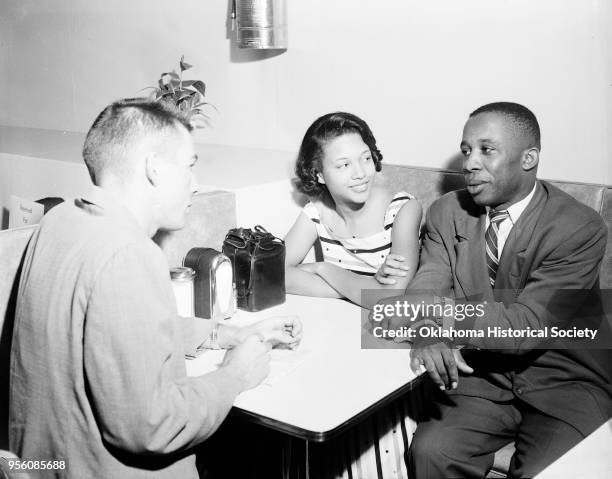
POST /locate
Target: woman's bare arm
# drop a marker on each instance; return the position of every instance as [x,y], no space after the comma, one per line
[300,279]
[405,242]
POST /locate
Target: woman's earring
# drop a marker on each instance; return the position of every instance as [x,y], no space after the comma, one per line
[320,178]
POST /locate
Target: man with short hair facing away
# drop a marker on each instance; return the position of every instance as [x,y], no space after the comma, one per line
[98,373]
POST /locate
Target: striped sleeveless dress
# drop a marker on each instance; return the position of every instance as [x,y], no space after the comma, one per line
[359,255]
[377,447]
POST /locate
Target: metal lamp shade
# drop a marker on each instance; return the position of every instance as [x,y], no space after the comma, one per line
[261,24]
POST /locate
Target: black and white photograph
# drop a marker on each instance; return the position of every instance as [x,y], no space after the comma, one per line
[305,239]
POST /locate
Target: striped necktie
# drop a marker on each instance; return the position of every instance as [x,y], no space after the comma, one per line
[495,218]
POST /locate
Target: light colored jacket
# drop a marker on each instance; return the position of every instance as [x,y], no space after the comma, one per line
[97,365]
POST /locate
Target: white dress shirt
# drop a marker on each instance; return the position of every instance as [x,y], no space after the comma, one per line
[505,226]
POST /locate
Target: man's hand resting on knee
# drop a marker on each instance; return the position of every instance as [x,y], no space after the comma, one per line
[441,361]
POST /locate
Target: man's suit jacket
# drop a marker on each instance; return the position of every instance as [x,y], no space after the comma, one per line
[547,276]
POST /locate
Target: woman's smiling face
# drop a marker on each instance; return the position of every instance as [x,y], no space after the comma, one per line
[347,169]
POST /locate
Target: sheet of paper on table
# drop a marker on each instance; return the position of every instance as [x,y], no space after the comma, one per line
[282,363]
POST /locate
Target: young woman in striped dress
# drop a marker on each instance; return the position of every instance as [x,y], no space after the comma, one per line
[369,239]
[369,236]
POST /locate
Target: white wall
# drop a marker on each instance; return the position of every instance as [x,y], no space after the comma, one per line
[413,69]
[36,178]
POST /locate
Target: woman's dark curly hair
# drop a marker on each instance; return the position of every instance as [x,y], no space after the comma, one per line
[324,129]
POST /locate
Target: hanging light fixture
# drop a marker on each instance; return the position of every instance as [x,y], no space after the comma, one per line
[260,24]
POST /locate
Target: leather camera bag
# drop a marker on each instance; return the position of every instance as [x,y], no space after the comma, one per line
[258,259]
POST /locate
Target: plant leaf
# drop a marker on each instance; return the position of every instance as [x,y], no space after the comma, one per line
[206,104]
[200,86]
[169,79]
[181,96]
[184,65]
[198,112]
[174,75]
[186,96]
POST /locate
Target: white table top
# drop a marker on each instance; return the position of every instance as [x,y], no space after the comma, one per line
[329,380]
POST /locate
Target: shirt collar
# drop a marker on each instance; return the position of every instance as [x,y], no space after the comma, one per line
[98,201]
[516,210]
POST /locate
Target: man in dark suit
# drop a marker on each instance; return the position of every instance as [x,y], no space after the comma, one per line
[529,255]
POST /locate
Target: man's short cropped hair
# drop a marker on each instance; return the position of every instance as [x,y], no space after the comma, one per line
[521,118]
[323,130]
[121,126]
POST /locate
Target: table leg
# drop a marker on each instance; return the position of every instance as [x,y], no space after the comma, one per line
[306,460]
[291,463]
[286,458]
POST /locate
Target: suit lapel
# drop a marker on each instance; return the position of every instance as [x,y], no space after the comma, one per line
[469,251]
[510,273]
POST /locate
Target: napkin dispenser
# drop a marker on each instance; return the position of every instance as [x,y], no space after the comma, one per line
[214,290]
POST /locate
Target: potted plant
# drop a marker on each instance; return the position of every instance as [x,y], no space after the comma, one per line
[187,96]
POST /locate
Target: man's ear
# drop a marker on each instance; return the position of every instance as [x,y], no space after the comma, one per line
[531,158]
[152,168]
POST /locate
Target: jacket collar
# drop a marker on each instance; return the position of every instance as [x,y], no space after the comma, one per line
[520,235]
[100,202]
[471,268]
[469,242]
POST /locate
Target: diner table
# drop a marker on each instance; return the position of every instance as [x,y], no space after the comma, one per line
[337,376]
